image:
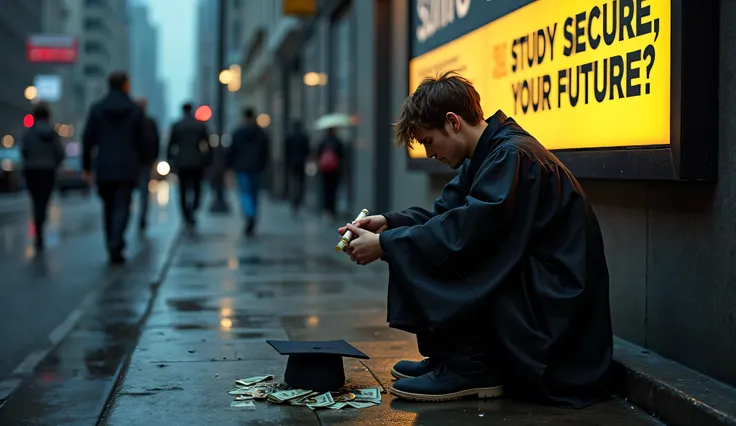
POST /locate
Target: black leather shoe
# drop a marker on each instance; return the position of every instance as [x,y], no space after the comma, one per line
[445,384]
[407,369]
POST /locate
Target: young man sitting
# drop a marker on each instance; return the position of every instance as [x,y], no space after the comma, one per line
[504,282]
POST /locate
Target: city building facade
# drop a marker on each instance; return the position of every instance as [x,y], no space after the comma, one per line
[100,28]
[105,46]
[59,52]
[144,71]
[17,22]
[349,46]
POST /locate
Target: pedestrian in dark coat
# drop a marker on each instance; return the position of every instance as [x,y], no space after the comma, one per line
[42,154]
[116,128]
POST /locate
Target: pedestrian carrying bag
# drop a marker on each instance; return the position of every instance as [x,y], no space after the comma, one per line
[328,161]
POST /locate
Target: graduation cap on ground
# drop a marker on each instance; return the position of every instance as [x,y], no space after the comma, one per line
[316,366]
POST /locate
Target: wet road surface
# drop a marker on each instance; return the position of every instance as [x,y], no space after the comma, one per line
[224,295]
[69,318]
[40,291]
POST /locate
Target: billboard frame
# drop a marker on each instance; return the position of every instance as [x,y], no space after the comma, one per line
[692,154]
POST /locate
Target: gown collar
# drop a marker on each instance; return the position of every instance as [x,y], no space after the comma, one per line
[487,142]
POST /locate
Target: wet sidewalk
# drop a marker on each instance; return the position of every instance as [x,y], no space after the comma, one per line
[71,319]
[224,295]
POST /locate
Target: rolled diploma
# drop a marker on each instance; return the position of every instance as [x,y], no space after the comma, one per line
[348,234]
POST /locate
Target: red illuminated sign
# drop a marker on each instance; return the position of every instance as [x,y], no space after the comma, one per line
[51,48]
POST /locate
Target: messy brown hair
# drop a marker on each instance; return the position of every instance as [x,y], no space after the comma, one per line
[428,106]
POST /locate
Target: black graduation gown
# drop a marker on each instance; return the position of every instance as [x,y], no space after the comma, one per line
[511,245]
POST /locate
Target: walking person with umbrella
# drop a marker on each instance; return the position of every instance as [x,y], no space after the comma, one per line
[330,159]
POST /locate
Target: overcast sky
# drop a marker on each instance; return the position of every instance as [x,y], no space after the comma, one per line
[177,29]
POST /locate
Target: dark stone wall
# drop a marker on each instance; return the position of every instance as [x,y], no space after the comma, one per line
[671,249]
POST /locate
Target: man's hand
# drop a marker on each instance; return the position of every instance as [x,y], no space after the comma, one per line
[365,246]
[375,224]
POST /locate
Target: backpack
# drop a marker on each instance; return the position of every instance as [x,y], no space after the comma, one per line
[328,161]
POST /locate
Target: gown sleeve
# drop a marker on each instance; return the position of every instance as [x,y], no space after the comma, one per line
[439,262]
[452,196]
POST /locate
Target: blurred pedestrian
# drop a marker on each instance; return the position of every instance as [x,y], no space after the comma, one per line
[189,154]
[153,142]
[330,155]
[115,127]
[297,151]
[248,157]
[42,154]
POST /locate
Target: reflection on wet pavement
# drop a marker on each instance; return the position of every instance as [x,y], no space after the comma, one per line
[67,218]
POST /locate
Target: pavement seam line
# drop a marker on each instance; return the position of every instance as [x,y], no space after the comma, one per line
[374,376]
[154,287]
[30,362]
[68,324]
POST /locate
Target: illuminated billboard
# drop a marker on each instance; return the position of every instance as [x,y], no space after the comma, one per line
[585,77]
[52,48]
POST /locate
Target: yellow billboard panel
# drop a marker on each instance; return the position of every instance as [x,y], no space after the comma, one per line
[575,74]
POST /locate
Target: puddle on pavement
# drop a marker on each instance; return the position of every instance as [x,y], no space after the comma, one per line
[249,335]
[240,261]
[190,305]
[191,327]
[291,288]
[295,264]
[253,321]
[299,269]
[90,354]
[233,323]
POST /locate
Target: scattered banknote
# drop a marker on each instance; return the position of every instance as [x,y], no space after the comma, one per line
[246,390]
[243,397]
[338,405]
[368,395]
[243,404]
[269,387]
[302,400]
[252,391]
[320,401]
[344,397]
[250,381]
[282,396]
[260,394]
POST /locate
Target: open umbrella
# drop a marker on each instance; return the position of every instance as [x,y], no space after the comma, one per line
[329,121]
